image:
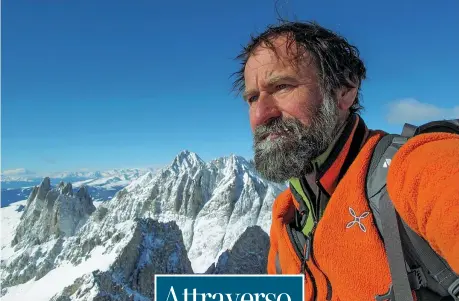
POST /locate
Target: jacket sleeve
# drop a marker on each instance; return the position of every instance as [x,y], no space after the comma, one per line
[423,183]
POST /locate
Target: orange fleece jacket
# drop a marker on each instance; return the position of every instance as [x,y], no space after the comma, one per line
[424,185]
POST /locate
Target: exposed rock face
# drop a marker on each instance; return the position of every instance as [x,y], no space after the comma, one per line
[52,213]
[153,248]
[249,255]
[66,188]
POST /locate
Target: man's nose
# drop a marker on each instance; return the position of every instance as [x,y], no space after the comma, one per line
[265,110]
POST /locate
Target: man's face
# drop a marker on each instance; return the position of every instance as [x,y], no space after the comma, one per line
[292,122]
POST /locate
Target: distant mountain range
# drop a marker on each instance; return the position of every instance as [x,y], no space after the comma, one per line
[25,178]
[102,185]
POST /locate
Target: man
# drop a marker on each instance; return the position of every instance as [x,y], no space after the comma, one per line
[302,84]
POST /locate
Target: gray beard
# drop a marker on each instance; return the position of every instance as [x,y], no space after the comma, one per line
[291,154]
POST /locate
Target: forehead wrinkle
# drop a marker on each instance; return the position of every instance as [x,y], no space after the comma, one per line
[257,75]
[278,60]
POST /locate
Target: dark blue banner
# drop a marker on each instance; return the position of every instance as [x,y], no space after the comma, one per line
[229,287]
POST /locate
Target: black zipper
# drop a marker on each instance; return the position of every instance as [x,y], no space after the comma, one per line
[310,254]
[303,256]
[321,191]
[329,287]
[318,201]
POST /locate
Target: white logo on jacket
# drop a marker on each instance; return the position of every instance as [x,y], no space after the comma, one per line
[357,220]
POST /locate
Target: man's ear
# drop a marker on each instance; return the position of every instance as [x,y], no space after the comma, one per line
[346,98]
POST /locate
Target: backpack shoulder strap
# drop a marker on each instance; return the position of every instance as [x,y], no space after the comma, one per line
[386,217]
[401,287]
[378,169]
[389,224]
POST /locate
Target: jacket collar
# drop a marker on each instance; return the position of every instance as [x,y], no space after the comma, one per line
[331,166]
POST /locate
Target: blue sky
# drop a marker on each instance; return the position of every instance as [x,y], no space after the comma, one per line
[116,84]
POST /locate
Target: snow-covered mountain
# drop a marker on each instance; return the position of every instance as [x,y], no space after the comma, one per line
[185,218]
[212,203]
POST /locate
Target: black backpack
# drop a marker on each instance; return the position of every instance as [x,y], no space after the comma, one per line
[414,265]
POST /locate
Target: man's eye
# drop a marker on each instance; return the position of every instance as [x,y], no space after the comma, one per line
[252,98]
[282,86]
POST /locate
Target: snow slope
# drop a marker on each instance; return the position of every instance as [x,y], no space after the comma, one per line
[10,218]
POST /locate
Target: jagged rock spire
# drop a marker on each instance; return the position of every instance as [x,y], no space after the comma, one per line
[53,213]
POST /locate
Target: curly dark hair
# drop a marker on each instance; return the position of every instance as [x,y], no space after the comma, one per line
[337,61]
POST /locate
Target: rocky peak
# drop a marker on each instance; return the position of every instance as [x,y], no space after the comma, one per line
[83,192]
[53,213]
[238,164]
[186,160]
[43,188]
[68,189]
[65,188]
[232,162]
